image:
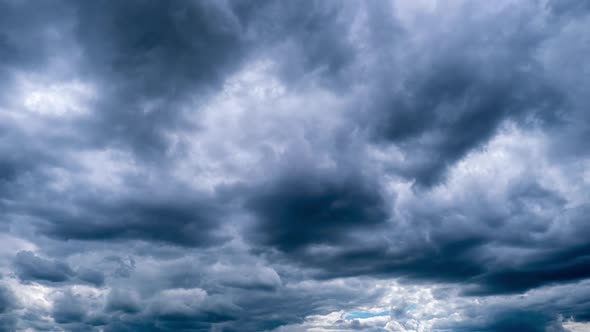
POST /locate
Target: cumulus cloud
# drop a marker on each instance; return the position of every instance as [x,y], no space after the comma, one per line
[294,166]
[30,266]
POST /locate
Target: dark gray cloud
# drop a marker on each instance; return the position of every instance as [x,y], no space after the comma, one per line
[8,304]
[152,57]
[7,300]
[91,276]
[517,320]
[451,109]
[123,301]
[32,267]
[465,253]
[458,89]
[301,209]
[157,63]
[569,7]
[69,309]
[184,222]
[26,40]
[270,166]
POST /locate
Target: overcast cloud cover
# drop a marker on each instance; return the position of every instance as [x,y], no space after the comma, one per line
[290,166]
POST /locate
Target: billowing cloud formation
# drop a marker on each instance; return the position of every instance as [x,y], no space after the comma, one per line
[314,209]
[294,166]
[29,266]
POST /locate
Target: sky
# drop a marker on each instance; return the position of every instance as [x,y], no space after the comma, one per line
[295,166]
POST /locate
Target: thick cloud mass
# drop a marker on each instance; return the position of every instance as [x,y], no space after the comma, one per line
[29,266]
[294,166]
[314,209]
[149,57]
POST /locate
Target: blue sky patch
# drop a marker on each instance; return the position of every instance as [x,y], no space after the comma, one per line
[363,314]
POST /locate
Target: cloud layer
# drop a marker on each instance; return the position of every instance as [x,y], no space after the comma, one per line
[294,166]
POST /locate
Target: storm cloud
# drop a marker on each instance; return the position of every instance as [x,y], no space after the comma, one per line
[294,166]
